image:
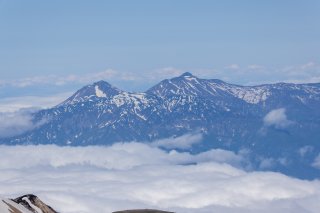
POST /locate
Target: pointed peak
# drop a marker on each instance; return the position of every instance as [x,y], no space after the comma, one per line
[99,89]
[101,83]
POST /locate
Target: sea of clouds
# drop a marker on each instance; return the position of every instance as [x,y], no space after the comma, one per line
[136,175]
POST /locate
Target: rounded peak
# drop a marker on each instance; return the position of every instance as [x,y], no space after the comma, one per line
[187,74]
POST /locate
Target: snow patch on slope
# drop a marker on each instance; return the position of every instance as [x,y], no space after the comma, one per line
[38,210]
[99,93]
[136,99]
[251,95]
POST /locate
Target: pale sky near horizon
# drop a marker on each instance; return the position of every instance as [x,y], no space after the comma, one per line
[50,47]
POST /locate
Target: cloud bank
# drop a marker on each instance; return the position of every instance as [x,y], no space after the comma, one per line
[135,175]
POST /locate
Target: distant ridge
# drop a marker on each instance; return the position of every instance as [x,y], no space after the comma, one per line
[228,117]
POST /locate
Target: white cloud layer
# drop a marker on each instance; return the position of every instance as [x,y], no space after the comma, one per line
[277,118]
[133,175]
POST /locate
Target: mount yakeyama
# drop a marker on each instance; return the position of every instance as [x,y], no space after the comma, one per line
[227,116]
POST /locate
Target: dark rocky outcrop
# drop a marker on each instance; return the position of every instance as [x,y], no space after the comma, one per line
[31,202]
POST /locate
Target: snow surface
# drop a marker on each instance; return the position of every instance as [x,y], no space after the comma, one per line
[99,92]
[32,206]
[250,95]
[191,85]
[4,208]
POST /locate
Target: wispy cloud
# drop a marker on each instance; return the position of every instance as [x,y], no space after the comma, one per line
[234,73]
[309,65]
[255,67]
[316,162]
[14,104]
[233,67]
[305,150]
[16,123]
[268,163]
[133,175]
[164,73]
[71,78]
[304,73]
[182,142]
[277,118]
[254,74]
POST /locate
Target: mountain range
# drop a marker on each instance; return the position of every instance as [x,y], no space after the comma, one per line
[277,125]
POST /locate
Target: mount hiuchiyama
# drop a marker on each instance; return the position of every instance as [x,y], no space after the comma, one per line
[272,121]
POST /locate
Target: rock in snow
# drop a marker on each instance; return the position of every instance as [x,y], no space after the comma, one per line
[32,204]
[24,204]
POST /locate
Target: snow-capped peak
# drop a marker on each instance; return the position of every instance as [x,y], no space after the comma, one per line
[189,85]
[100,89]
[186,85]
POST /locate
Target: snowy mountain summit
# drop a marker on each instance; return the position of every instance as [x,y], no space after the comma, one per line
[271,120]
[97,90]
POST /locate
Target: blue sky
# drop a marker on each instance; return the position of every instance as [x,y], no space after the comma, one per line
[52,47]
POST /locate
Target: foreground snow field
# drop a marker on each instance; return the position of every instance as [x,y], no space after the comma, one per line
[139,176]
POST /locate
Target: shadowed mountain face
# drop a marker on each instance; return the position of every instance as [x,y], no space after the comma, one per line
[276,122]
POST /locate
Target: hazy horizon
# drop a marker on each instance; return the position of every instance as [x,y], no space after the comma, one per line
[50,48]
